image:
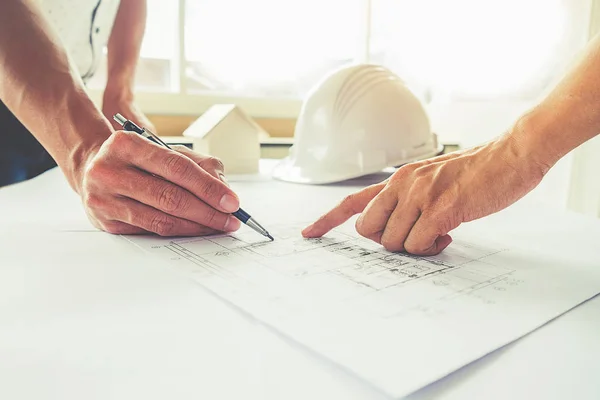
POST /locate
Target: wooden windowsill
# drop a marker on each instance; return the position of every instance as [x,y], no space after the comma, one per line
[281,131]
[174,125]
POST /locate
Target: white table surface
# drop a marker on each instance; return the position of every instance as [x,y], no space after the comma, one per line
[106,329]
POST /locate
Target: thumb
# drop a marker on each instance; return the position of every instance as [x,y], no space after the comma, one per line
[351,205]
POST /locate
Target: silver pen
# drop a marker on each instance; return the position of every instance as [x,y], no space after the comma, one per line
[240,214]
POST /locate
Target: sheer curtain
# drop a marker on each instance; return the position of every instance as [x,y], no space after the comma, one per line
[584,184]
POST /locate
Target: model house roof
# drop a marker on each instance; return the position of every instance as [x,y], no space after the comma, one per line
[205,124]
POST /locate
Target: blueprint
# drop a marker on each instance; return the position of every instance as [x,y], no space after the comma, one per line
[397,321]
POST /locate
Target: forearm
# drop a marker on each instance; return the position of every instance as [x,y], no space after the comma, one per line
[41,87]
[124,47]
[569,115]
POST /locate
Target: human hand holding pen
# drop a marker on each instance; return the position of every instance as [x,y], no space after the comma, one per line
[131,185]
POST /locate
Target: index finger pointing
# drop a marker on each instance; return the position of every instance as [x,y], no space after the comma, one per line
[351,205]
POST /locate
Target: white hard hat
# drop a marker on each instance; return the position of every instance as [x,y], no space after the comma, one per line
[356,121]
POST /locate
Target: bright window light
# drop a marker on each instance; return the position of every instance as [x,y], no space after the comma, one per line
[268,46]
[266,54]
[160,38]
[469,47]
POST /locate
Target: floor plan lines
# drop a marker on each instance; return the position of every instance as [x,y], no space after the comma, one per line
[363,274]
[382,315]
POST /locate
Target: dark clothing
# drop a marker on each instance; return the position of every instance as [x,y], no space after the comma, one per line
[22,157]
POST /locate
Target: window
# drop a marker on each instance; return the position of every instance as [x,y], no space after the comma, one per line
[470,48]
[477,65]
[158,64]
[157,67]
[267,47]
[266,54]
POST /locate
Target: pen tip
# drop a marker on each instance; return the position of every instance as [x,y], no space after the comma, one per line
[270,237]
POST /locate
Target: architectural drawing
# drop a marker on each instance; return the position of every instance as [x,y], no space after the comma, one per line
[397,321]
[360,270]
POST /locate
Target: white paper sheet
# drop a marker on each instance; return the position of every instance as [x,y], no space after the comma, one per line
[46,283]
[396,321]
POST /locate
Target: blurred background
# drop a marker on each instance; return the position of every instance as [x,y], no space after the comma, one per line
[476,64]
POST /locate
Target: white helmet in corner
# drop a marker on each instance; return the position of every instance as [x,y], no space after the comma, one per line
[357,121]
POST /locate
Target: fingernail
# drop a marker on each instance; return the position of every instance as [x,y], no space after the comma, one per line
[223,179]
[229,203]
[306,231]
[433,247]
[232,224]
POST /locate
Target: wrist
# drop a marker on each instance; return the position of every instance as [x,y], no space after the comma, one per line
[74,168]
[531,142]
[88,130]
[117,95]
[119,88]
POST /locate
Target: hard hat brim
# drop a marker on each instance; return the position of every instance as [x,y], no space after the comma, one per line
[286,170]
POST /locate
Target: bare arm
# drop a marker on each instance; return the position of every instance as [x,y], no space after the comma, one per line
[127,183]
[570,115]
[123,53]
[418,206]
[42,88]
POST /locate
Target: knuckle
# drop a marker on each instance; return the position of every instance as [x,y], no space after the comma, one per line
[349,199]
[391,245]
[171,199]
[214,164]
[208,188]
[348,202]
[100,173]
[162,225]
[92,201]
[407,173]
[178,165]
[401,173]
[180,148]
[212,218]
[95,171]
[421,176]
[120,140]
